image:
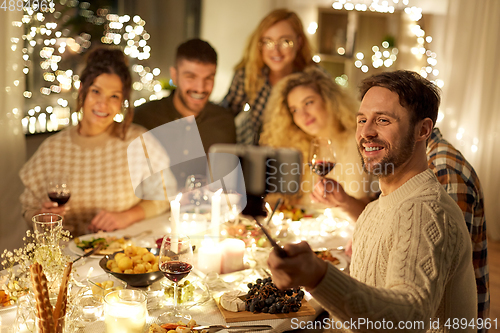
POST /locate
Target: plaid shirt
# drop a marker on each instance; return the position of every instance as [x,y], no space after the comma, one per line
[249,122]
[462,184]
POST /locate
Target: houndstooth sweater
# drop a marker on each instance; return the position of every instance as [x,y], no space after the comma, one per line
[98,171]
[411,263]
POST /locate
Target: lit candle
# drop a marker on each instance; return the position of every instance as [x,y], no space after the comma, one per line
[216,215]
[175,211]
[125,311]
[233,251]
[209,256]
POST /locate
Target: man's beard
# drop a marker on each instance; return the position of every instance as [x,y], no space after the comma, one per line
[182,99]
[394,158]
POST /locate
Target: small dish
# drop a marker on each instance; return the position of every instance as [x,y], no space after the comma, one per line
[103,284]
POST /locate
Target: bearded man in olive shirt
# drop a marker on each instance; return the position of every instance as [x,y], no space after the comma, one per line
[193,75]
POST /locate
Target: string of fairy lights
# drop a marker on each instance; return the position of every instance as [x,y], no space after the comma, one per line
[386,55]
[46,43]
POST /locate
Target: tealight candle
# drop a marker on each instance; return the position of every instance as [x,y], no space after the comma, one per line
[125,311]
[209,257]
[216,199]
[233,251]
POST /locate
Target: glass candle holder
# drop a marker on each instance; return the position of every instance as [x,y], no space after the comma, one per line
[125,311]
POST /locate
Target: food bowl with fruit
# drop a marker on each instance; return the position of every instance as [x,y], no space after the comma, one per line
[137,266]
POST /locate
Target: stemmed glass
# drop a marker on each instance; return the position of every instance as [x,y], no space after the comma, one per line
[194,187]
[58,190]
[176,256]
[322,158]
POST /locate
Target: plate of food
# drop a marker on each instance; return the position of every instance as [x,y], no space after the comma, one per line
[158,327]
[6,303]
[109,243]
[333,256]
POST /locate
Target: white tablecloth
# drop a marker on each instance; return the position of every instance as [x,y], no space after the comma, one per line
[207,313]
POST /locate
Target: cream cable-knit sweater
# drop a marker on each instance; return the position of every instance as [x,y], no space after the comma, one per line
[411,262]
[98,172]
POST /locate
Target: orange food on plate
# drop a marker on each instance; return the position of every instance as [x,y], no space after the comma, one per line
[327,256]
[4,298]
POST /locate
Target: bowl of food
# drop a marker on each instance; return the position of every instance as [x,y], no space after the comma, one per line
[103,284]
[137,266]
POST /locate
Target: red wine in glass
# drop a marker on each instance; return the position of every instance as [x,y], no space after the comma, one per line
[176,270]
[175,265]
[323,168]
[58,190]
[60,197]
[322,157]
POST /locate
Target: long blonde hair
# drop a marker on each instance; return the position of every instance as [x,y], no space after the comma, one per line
[252,58]
[279,129]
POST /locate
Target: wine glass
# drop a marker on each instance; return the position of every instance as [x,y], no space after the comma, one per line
[322,158]
[195,188]
[176,256]
[58,190]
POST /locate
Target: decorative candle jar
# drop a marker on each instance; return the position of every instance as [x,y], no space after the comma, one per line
[125,311]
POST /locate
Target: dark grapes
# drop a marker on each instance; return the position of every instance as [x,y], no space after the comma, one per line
[263,296]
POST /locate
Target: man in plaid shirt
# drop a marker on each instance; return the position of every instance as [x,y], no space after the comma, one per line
[462,184]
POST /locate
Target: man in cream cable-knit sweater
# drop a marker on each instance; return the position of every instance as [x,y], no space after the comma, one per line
[411,267]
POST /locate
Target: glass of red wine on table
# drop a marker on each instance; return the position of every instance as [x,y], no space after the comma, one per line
[58,190]
[322,157]
[176,255]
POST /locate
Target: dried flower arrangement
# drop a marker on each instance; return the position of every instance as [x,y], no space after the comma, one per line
[48,253]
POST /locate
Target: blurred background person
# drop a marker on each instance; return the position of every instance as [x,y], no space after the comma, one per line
[277,48]
[308,105]
[93,156]
[193,75]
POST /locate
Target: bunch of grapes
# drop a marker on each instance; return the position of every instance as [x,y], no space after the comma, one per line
[264,297]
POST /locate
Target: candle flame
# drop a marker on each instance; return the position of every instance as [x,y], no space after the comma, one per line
[178,197]
[218,193]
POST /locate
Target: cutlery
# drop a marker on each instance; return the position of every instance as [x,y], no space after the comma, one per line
[274,210]
[91,252]
[279,250]
[246,328]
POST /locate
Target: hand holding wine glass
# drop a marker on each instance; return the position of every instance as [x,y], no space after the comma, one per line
[176,255]
[322,157]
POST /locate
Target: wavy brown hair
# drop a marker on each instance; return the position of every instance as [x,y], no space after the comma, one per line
[279,129]
[108,61]
[252,58]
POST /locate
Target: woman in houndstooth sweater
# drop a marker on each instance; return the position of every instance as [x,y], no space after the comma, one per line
[93,156]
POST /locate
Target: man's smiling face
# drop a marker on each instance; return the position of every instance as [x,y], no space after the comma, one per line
[384,132]
[194,81]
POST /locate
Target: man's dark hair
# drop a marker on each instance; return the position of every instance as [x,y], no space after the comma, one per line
[417,94]
[196,50]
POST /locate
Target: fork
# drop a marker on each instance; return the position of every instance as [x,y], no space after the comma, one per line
[246,328]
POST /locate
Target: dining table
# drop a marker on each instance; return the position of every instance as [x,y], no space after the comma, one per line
[206,313]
